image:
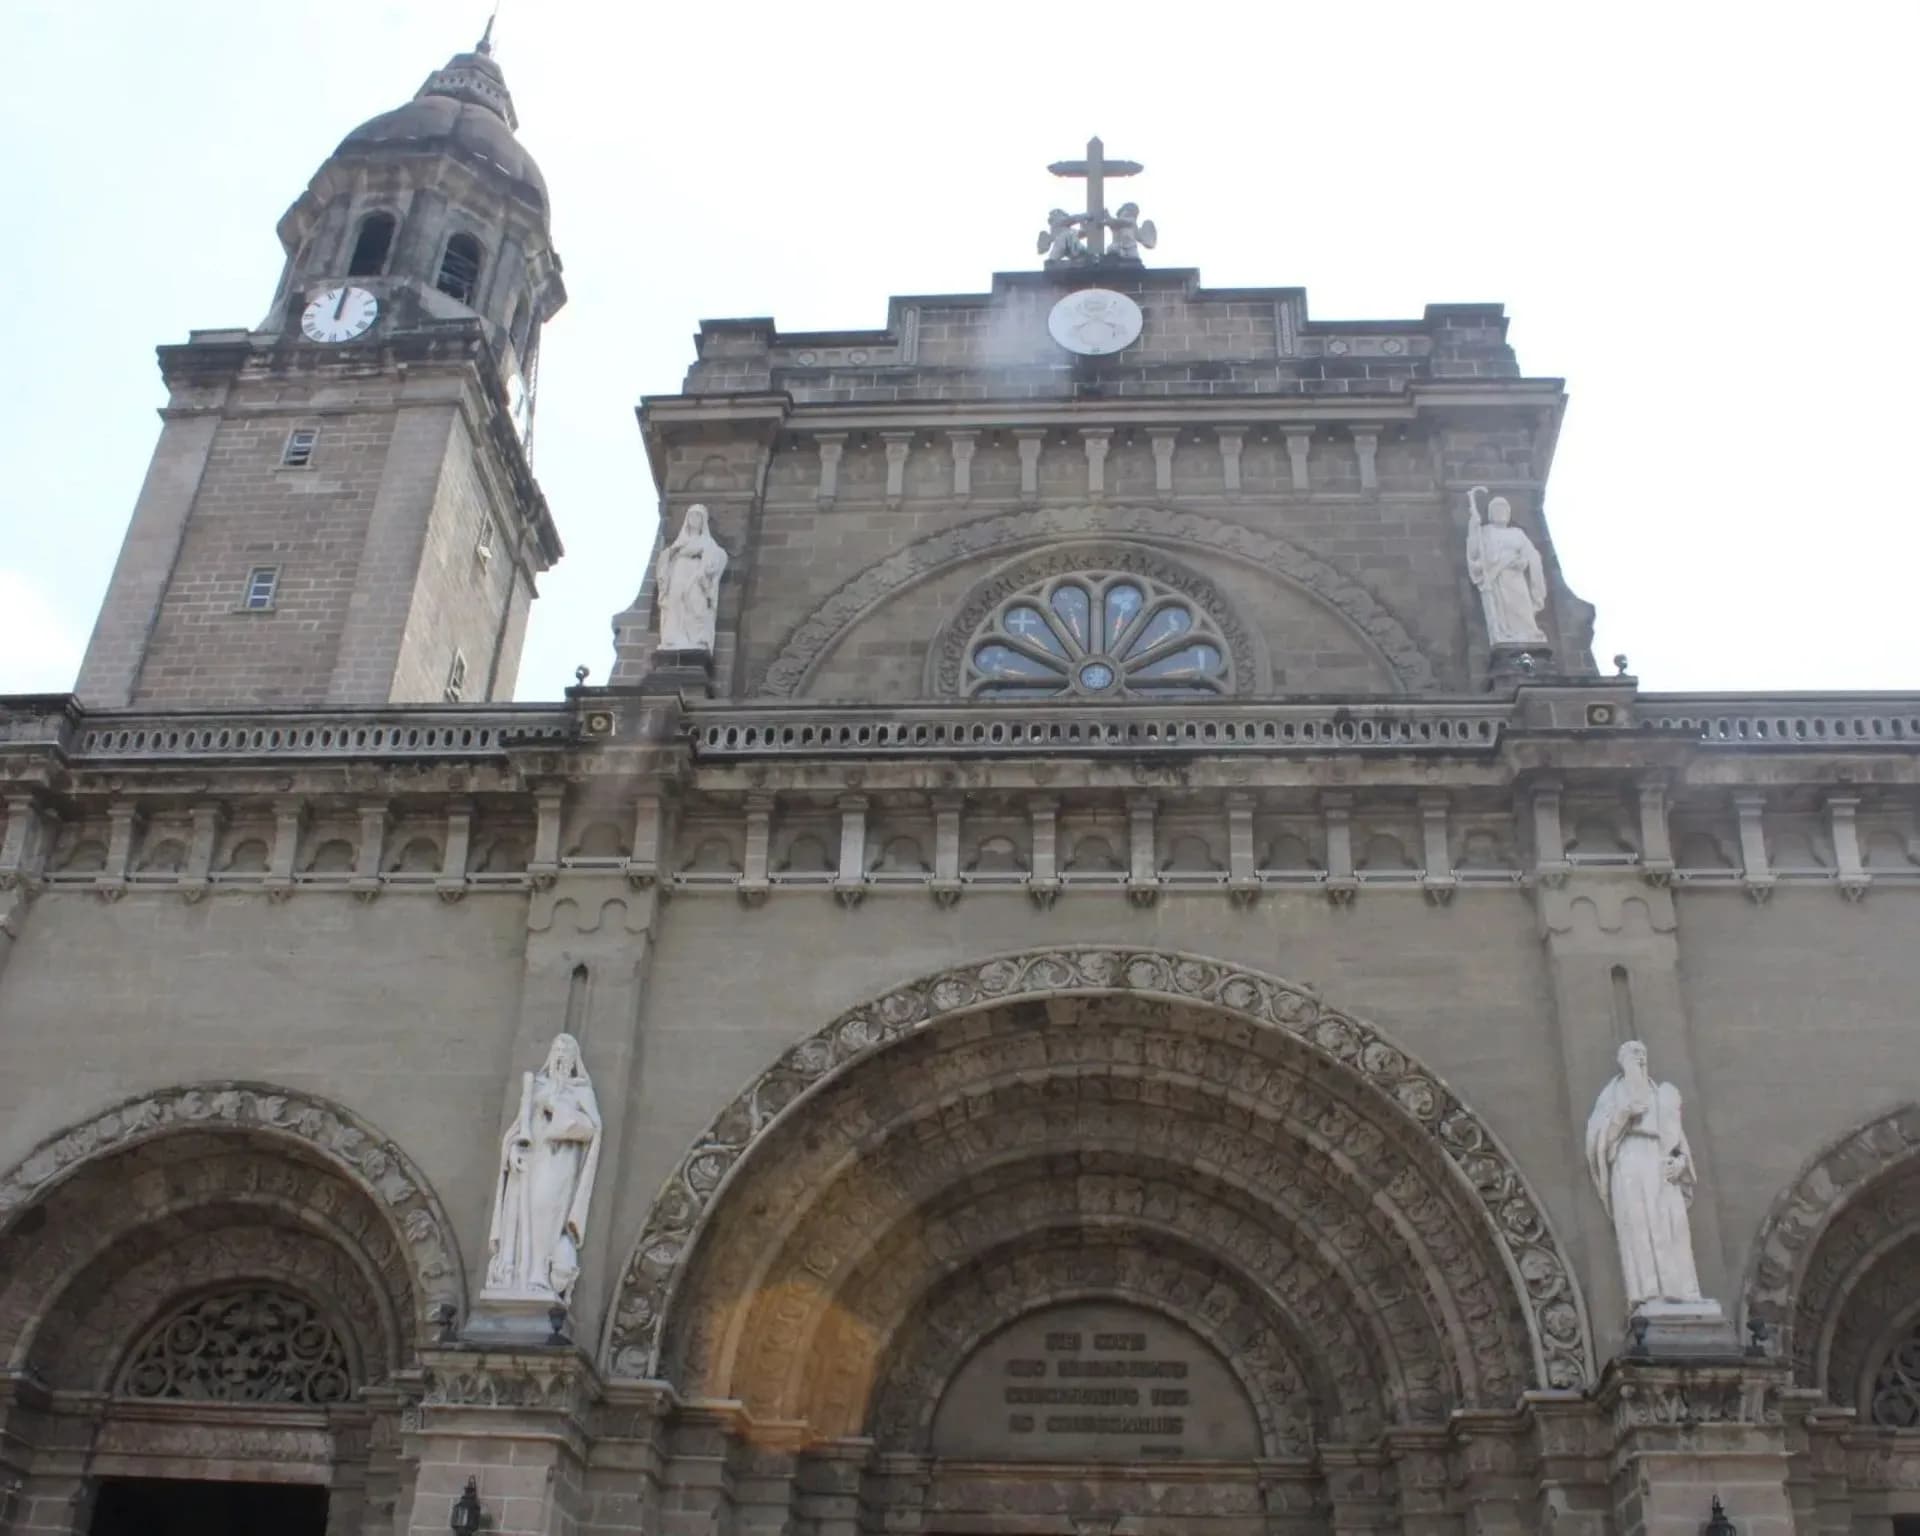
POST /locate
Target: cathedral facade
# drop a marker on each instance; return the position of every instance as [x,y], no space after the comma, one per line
[1107,962]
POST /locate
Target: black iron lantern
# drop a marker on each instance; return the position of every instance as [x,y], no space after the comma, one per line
[1719,1525]
[466,1511]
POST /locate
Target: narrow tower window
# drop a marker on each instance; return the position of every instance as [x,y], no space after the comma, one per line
[456,678]
[460,268]
[262,582]
[298,453]
[370,250]
[522,323]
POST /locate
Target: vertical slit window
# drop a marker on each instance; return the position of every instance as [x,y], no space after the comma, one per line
[371,249]
[298,453]
[262,582]
[460,269]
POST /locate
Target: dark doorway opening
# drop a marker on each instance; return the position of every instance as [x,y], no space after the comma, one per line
[167,1506]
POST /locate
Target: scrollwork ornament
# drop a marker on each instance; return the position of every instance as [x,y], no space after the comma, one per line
[249,1346]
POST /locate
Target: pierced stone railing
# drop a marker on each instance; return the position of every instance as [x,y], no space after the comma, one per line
[746,731]
[1787,719]
[419,731]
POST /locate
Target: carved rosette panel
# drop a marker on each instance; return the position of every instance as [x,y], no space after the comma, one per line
[1893,1398]
[249,1346]
[338,1138]
[1846,1199]
[787,673]
[1418,1101]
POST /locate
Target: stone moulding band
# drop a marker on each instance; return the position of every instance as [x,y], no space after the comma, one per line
[367,1158]
[1007,533]
[1536,1261]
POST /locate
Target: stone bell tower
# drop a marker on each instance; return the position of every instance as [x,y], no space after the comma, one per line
[341,507]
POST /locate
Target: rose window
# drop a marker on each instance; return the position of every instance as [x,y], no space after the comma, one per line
[1098,636]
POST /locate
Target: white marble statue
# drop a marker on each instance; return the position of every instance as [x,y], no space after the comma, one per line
[687,585]
[1130,232]
[1504,565]
[547,1163]
[1060,241]
[1643,1169]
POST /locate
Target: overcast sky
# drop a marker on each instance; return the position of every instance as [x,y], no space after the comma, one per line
[1701,216]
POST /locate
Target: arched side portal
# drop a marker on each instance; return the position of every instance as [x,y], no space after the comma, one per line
[1835,1270]
[1370,1225]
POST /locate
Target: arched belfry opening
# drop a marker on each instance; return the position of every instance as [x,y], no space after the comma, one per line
[1091,1211]
[206,1297]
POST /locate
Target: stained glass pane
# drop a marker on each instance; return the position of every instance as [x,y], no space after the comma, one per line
[1124,601]
[1076,612]
[1003,662]
[1164,625]
[1192,661]
[1028,624]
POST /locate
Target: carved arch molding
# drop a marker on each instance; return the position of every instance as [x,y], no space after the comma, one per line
[1009,533]
[188,1185]
[1145,1126]
[1835,1270]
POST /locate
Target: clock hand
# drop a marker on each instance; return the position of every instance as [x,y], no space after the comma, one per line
[344,291]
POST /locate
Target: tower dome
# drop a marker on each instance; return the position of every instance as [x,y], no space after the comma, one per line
[436,209]
[464,110]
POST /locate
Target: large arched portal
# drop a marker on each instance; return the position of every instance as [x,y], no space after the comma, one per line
[205,1296]
[1098,1207]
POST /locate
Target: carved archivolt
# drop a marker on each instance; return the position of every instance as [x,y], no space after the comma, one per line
[418,1228]
[817,633]
[1379,1154]
[1784,1287]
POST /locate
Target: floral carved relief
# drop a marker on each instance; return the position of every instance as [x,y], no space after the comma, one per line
[1420,1107]
[244,1346]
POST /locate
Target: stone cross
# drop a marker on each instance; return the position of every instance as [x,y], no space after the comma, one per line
[1096,168]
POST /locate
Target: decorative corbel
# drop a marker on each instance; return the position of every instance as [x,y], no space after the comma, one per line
[1096,441]
[1843,826]
[1232,440]
[1043,880]
[1163,440]
[1366,446]
[946,886]
[1756,875]
[289,821]
[1299,442]
[1243,879]
[451,885]
[850,881]
[1549,840]
[897,444]
[1143,880]
[962,444]
[209,821]
[754,884]
[123,822]
[549,804]
[1656,839]
[1437,880]
[1336,809]
[1028,440]
[374,822]
[831,446]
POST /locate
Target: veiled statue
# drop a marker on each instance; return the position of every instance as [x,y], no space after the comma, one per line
[547,1162]
[1643,1169]
[1504,565]
[687,585]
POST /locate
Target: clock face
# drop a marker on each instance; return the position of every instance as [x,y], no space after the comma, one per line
[1095,321]
[339,314]
[519,404]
